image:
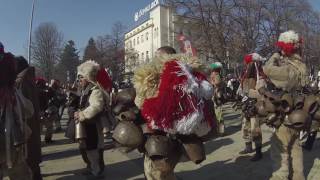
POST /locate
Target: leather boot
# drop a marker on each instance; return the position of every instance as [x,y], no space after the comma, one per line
[101,161]
[310,141]
[248,149]
[85,157]
[258,155]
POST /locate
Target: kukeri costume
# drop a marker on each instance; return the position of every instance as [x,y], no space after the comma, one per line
[174,98]
[93,101]
[252,79]
[286,107]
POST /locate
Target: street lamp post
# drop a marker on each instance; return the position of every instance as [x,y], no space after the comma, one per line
[30,32]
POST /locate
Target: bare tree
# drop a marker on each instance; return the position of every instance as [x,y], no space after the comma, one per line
[238,27]
[46,48]
[111,51]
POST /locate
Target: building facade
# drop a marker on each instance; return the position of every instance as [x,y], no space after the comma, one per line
[160,29]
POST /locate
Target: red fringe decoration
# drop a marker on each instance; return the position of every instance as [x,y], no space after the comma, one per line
[172,103]
[287,48]
[208,109]
[104,80]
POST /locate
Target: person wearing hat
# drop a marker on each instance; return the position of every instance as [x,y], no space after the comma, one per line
[252,79]
[218,94]
[287,72]
[95,85]
[15,109]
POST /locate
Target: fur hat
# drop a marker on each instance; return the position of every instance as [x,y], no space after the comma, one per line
[289,42]
[92,71]
[253,57]
[89,70]
[289,37]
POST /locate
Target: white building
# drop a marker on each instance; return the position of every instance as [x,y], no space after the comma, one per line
[160,29]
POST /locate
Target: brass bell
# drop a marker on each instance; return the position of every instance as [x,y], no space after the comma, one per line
[297,119]
[299,102]
[194,148]
[127,116]
[80,131]
[310,104]
[287,102]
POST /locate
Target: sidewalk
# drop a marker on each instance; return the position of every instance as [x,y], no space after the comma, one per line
[62,161]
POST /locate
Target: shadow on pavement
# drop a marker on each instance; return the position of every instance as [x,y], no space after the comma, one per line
[118,171]
[69,153]
[61,155]
[241,169]
[229,130]
[213,145]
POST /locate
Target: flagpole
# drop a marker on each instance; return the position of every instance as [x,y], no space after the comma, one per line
[30,32]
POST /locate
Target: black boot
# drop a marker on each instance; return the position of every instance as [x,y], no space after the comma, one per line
[258,155]
[101,161]
[86,160]
[248,149]
[310,140]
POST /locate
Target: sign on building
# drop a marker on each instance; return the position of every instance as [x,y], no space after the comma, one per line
[145,10]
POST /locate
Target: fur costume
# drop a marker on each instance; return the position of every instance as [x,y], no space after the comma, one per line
[181,92]
[285,72]
[146,78]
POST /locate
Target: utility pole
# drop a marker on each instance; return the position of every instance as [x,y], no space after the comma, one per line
[30,32]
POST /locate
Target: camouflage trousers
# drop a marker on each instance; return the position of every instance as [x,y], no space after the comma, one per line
[286,154]
[251,130]
[152,172]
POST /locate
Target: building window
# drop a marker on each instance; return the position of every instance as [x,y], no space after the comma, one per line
[156,32]
[147,56]
[142,56]
[137,59]
[142,38]
[134,42]
[138,40]
[147,36]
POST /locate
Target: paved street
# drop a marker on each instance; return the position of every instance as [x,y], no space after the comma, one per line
[62,160]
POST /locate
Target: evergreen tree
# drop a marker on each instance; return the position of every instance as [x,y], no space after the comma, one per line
[67,68]
[91,51]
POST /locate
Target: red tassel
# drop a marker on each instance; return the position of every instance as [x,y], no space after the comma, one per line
[248,58]
[104,80]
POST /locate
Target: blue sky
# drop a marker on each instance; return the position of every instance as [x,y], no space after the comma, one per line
[77,19]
